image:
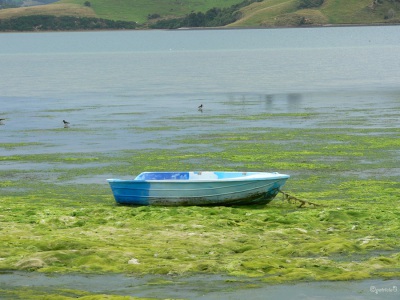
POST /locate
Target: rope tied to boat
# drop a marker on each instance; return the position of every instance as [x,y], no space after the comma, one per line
[295,200]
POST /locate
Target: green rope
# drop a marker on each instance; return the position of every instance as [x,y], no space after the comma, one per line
[293,199]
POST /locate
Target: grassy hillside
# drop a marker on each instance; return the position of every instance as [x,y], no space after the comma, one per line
[266,13]
[124,10]
[359,11]
[286,13]
[138,10]
[59,9]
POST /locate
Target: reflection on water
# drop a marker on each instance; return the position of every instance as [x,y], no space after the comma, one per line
[294,102]
[102,125]
[291,101]
[269,103]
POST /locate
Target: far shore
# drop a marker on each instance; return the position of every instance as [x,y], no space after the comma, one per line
[215,28]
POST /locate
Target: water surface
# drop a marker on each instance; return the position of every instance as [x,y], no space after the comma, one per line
[135,90]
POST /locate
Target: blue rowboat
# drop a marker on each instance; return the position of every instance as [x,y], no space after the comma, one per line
[198,188]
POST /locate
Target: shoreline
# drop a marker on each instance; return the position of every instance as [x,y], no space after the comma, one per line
[213,28]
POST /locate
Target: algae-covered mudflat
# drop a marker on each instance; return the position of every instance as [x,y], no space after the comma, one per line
[58,215]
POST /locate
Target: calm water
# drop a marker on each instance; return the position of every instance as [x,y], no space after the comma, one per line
[201,287]
[115,86]
[111,85]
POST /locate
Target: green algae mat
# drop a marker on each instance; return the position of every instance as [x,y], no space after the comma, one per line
[58,214]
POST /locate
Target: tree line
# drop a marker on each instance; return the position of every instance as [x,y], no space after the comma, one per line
[54,23]
[216,17]
[213,17]
[310,3]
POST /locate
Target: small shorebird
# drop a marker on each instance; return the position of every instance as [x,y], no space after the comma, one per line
[1,121]
[200,108]
[66,124]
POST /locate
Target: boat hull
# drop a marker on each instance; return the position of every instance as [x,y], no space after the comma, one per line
[231,191]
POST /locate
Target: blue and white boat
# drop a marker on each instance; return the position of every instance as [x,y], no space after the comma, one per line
[198,188]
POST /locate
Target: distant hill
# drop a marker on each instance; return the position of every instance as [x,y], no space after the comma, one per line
[209,13]
[270,13]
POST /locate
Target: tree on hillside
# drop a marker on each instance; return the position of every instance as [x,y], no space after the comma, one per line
[390,14]
[196,20]
[213,17]
[310,3]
